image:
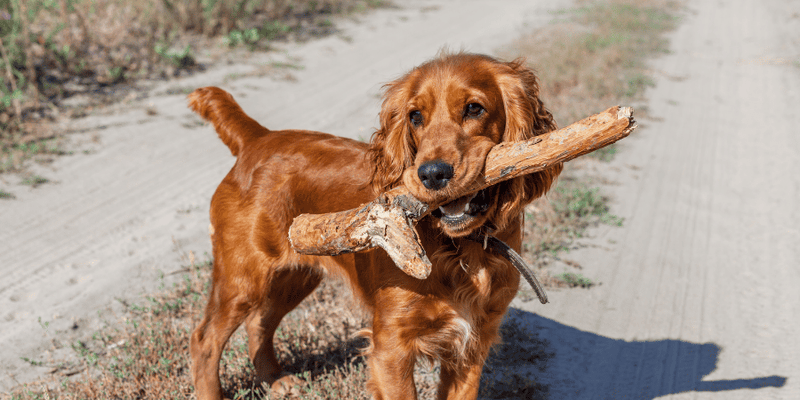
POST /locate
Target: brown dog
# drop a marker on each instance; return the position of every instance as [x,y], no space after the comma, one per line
[437,124]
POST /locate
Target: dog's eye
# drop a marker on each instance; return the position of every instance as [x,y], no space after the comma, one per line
[415,117]
[473,110]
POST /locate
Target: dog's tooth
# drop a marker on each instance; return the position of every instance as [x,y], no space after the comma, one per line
[451,215]
[466,207]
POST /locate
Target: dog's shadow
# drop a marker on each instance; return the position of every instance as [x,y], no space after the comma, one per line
[543,359]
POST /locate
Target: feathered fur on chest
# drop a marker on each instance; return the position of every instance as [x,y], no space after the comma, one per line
[455,314]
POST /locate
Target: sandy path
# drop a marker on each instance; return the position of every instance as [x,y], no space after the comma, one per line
[120,217]
[699,295]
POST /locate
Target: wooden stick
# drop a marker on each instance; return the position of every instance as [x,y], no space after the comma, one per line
[388,221]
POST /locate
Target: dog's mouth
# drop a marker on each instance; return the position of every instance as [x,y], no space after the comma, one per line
[459,214]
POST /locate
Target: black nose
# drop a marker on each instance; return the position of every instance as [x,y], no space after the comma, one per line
[435,174]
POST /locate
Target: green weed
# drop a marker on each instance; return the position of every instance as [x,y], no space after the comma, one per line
[575,280]
[568,210]
[248,37]
[605,154]
[182,58]
[52,49]
[272,30]
[594,56]
[34,180]
[552,224]
[32,362]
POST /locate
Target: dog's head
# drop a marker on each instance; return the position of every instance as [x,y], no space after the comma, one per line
[438,123]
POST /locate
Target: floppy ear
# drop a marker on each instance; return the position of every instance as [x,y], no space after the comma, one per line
[392,148]
[526,117]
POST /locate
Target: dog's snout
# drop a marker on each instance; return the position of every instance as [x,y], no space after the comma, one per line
[435,174]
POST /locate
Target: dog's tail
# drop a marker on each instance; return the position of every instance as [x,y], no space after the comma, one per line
[233,126]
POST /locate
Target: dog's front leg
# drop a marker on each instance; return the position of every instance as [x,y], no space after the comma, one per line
[391,368]
[460,383]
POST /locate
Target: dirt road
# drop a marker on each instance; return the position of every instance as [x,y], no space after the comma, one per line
[699,289]
[698,294]
[119,218]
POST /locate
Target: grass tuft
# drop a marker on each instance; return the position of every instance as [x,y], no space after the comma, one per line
[51,50]
[554,222]
[595,55]
[34,180]
[572,279]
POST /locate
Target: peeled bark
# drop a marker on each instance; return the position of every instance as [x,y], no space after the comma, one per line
[388,221]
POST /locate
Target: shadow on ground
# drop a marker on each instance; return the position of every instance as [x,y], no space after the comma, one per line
[543,359]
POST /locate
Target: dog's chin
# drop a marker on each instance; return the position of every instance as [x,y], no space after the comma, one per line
[463,215]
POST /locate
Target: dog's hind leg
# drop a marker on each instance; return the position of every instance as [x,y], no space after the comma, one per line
[286,289]
[224,313]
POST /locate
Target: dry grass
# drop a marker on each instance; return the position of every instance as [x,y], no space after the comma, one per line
[552,223]
[147,357]
[51,50]
[592,58]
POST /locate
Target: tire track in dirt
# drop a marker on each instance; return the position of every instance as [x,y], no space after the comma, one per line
[698,293]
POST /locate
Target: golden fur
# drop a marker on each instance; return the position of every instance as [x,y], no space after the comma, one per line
[445,114]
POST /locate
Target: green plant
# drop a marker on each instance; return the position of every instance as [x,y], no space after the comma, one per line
[575,280]
[89,356]
[13,59]
[594,56]
[605,154]
[32,362]
[52,49]
[34,180]
[45,325]
[9,97]
[577,201]
[272,30]
[182,58]
[581,201]
[247,37]
[117,74]
[637,83]
[553,223]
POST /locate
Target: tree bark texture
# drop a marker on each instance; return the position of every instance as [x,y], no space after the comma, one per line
[388,221]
